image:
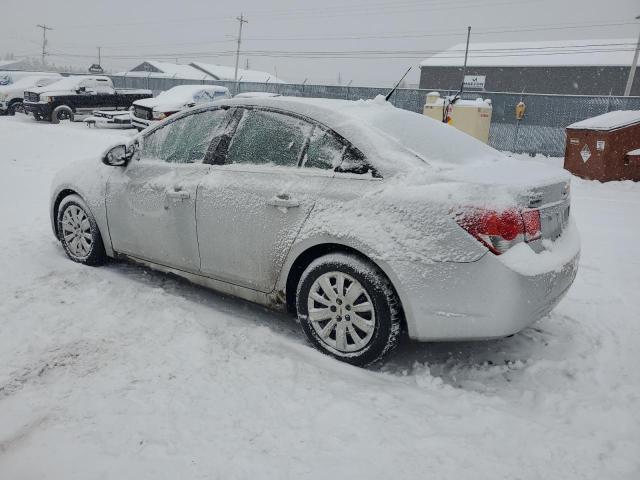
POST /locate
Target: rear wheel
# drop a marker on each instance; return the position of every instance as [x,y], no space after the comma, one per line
[79,233]
[348,309]
[61,113]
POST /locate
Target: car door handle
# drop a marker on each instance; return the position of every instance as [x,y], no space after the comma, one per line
[178,194]
[283,200]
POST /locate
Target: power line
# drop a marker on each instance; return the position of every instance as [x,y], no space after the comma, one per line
[386,54]
[324,12]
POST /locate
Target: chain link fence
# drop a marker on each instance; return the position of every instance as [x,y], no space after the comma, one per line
[541,131]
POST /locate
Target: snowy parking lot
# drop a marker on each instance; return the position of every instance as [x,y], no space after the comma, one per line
[119,372]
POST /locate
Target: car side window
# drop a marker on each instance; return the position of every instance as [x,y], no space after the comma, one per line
[184,140]
[353,161]
[325,150]
[264,137]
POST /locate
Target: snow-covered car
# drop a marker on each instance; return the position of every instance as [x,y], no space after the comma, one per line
[256,95]
[151,110]
[7,77]
[11,96]
[361,218]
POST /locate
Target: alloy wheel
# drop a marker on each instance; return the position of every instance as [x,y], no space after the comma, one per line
[76,232]
[341,312]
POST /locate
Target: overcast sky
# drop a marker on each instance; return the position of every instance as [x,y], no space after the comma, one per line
[205,30]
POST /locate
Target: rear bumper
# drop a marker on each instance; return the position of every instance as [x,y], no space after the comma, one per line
[478,300]
[121,119]
[3,107]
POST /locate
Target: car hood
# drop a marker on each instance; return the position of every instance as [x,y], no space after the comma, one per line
[161,105]
[47,91]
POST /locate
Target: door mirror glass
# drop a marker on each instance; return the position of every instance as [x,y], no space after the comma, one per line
[117,156]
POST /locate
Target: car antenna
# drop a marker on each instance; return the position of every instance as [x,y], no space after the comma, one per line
[397,84]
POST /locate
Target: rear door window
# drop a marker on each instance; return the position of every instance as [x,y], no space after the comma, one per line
[324,150]
[264,137]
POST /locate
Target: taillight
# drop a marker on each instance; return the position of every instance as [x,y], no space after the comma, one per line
[532,229]
[500,230]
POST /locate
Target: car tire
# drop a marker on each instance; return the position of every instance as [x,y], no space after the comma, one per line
[78,232]
[61,113]
[14,107]
[359,326]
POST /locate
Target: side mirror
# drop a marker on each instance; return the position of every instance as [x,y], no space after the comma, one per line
[117,156]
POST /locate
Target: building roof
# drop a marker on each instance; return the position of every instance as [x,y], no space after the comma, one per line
[222,72]
[10,64]
[557,53]
[169,70]
[608,121]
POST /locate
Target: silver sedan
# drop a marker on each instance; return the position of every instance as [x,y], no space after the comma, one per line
[364,220]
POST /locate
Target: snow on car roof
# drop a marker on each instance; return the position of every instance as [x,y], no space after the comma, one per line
[67,83]
[183,91]
[608,121]
[606,52]
[380,129]
[222,72]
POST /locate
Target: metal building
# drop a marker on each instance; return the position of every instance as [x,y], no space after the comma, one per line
[570,67]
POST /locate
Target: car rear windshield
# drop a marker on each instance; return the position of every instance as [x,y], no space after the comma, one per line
[433,141]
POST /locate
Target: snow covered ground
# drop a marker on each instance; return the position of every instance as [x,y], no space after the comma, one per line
[122,373]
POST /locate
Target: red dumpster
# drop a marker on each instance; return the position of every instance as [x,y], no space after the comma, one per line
[605,147]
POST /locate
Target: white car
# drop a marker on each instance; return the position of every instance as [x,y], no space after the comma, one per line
[151,110]
[11,96]
[363,219]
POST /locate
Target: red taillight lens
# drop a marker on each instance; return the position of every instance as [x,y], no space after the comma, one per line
[499,231]
[531,220]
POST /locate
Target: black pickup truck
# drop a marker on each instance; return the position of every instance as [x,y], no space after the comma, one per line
[75,97]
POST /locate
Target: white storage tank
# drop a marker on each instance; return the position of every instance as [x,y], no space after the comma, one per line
[469,116]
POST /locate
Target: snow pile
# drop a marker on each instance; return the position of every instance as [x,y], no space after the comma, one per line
[522,259]
[119,372]
[608,121]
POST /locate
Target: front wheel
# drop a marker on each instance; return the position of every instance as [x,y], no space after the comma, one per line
[79,233]
[348,309]
[61,113]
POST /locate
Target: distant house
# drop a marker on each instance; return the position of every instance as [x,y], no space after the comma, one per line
[166,70]
[198,71]
[580,67]
[11,64]
[222,72]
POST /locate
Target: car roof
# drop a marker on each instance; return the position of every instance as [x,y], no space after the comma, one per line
[338,115]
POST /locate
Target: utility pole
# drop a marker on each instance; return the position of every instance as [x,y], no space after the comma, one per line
[241,20]
[99,55]
[466,54]
[632,72]
[44,39]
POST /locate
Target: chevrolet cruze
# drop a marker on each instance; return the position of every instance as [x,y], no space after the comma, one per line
[364,220]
